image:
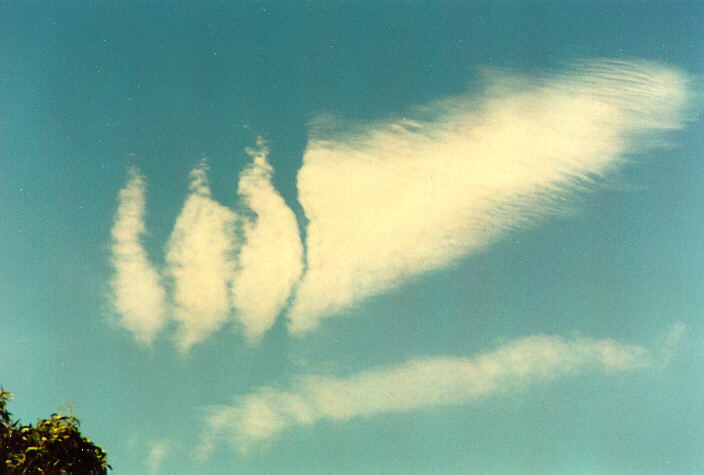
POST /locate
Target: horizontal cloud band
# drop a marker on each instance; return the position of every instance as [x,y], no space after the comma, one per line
[420,383]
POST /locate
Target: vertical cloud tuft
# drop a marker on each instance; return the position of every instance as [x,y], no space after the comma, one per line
[200,262]
[137,293]
[217,260]
[270,260]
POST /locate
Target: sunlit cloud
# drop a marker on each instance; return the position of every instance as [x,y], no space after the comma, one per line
[270,260]
[200,262]
[389,200]
[417,384]
[137,293]
[220,265]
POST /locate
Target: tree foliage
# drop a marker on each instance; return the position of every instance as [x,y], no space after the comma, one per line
[54,445]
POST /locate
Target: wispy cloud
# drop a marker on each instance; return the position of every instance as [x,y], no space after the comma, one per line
[200,262]
[270,260]
[157,454]
[219,264]
[417,384]
[137,293]
[389,200]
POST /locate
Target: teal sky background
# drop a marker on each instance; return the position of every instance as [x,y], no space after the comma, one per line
[88,90]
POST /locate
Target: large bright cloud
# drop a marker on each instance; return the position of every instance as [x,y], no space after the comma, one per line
[389,200]
[137,292]
[421,383]
[271,258]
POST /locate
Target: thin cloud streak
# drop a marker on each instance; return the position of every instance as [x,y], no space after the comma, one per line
[389,200]
[271,258]
[200,262]
[420,383]
[137,293]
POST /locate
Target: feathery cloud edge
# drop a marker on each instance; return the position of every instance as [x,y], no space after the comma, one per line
[422,383]
[221,266]
[389,200]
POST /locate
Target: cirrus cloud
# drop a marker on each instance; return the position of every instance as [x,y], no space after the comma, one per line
[422,383]
[389,200]
[200,262]
[271,258]
[137,292]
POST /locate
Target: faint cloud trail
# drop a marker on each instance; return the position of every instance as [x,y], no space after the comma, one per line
[419,383]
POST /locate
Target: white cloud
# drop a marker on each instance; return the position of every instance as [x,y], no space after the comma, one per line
[137,294]
[270,260]
[200,262]
[216,259]
[389,200]
[157,454]
[417,384]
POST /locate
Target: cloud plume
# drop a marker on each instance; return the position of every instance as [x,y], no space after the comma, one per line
[270,260]
[200,262]
[389,200]
[417,384]
[137,293]
[220,264]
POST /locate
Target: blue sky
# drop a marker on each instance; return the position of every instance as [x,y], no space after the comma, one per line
[357,237]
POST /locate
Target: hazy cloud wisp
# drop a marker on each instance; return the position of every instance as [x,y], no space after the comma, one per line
[417,384]
[158,452]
